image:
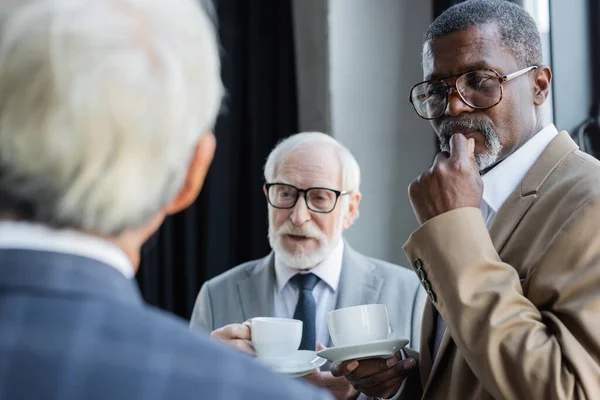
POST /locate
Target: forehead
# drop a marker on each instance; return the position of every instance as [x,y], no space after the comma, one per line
[313,166]
[478,47]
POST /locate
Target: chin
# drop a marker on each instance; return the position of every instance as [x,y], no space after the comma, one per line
[300,258]
[485,161]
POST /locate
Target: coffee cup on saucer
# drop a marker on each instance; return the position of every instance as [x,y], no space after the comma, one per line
[359,333]
[276,337]
[358,325]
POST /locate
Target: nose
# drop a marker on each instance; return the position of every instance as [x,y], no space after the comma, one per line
[456,105]
[300,213]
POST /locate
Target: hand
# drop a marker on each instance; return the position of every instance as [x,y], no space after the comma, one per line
[235,335]
[338,386]
[376,377]
[452,182]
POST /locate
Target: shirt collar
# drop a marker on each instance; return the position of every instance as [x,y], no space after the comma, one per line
[25,235]
[504,178]
[328,270]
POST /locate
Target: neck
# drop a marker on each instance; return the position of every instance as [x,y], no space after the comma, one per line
[129,242]
[132,253]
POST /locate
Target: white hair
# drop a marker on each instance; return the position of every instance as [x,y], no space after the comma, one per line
[101,105]
[285,148]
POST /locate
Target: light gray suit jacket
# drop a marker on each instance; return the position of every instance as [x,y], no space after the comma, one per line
[247,291]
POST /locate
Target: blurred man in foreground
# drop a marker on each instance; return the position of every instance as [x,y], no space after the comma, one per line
[106,109]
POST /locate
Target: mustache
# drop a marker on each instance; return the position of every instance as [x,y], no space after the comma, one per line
[309,231]
[450,127]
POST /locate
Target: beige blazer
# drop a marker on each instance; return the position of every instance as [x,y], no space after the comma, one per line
[522,300]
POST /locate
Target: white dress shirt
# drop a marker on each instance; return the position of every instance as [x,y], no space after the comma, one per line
[28,236]
[499,183]
[325,292]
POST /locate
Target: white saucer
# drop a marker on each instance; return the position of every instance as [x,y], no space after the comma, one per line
[298,364]
[377,349]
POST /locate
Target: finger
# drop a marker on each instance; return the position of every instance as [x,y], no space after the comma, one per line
[372,366]
[237,331]
[320,347]
[459,147]
[242,345]
[383,390]
[325,379]
[314,376]
[343,368]
[471,150]
[400,369]
[440,157]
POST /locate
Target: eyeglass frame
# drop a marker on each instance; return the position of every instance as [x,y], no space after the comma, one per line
[338,194]
[501,78]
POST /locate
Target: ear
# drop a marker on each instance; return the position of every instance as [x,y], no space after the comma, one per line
[543,78]
[197,170]
[352,212]
[265,192]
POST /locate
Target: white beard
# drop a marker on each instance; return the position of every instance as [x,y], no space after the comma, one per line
[302,260]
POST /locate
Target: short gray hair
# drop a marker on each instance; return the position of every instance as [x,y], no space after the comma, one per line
[350,168]
[101,105]
[518,30]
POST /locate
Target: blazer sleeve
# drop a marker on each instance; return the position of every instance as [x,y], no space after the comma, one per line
[202,315]
[544,344]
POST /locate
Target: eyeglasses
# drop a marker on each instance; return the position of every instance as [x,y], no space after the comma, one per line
[479,89]
[320,200]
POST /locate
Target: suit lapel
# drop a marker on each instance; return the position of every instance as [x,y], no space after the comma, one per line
[427,366]
[358,285]
[256,291]
[510,214]
[517,204]
[444,345]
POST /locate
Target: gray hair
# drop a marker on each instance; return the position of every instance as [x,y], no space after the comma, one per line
[101,106]
[350,168]
[517,28]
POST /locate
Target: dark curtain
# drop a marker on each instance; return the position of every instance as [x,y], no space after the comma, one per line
[228,223]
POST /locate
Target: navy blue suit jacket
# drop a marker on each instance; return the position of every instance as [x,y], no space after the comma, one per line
[74,328]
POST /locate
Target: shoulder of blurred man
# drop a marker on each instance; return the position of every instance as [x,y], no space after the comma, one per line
[200,363]
[81,321]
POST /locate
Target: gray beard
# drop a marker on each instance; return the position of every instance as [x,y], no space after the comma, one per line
[492,142]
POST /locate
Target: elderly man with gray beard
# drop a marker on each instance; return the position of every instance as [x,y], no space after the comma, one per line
[312,192]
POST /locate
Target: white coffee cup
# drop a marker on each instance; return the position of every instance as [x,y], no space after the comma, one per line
[276,337]
[359,324]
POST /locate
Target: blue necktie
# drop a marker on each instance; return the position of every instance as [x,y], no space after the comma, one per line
[306,309]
